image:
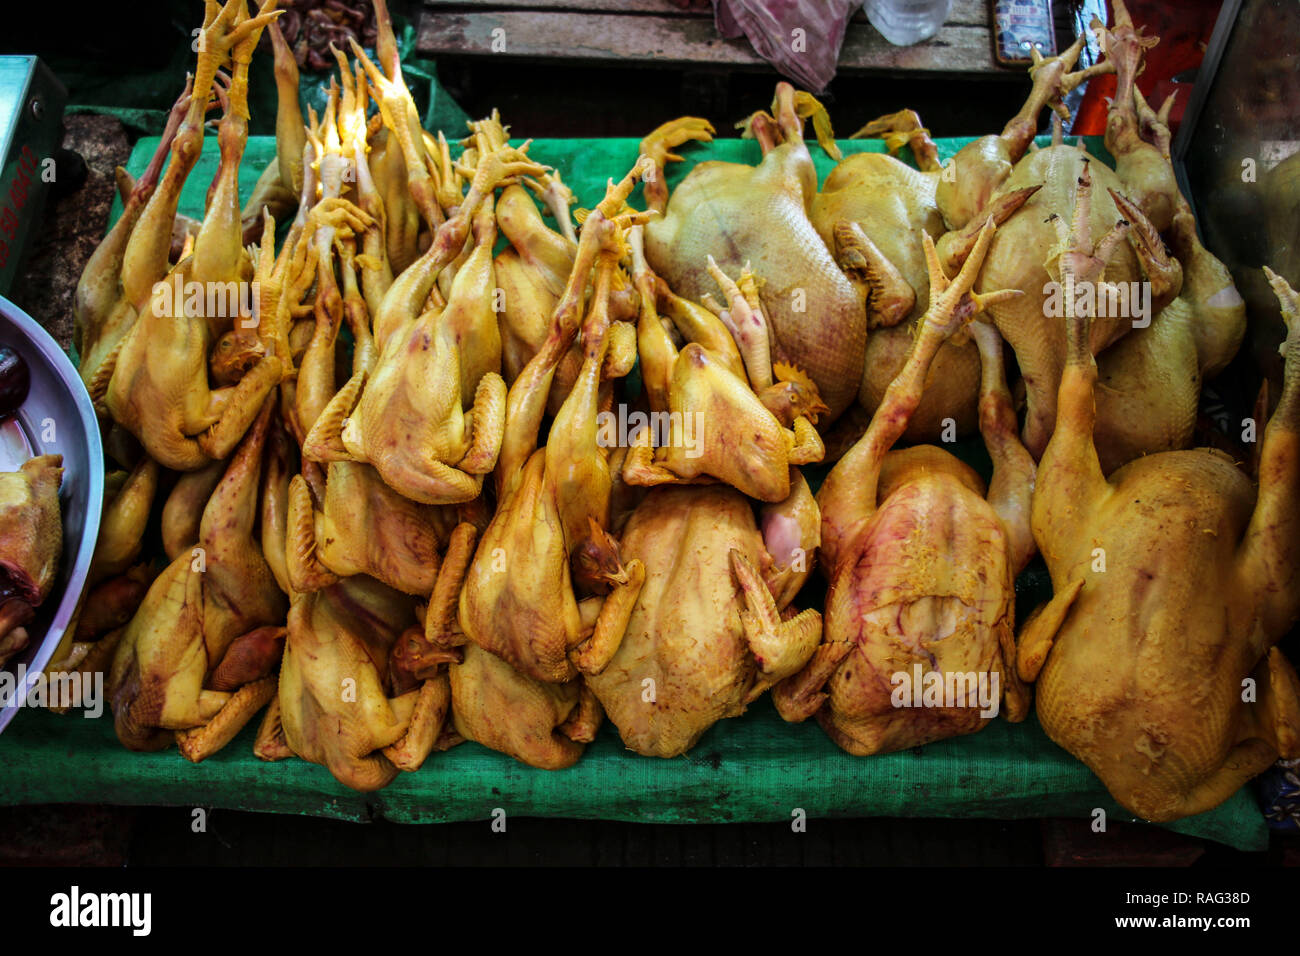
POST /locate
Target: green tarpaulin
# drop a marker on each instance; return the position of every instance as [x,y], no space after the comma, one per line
[752,768]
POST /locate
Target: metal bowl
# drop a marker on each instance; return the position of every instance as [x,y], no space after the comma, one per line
[57,419]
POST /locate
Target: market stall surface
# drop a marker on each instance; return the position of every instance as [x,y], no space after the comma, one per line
[754,768]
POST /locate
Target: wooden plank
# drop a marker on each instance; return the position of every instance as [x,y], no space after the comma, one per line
[681,41]
[965,12]
[581,36]
[954,49]
[642,7]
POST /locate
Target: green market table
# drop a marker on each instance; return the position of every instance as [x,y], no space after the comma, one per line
[752,768]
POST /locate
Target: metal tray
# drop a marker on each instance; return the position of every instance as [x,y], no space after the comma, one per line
[58,408]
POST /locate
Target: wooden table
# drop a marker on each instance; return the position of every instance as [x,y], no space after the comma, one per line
[656,33]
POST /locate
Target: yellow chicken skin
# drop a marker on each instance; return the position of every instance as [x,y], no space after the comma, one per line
[31,543]
[122,522]
[101,313]
[759,214]
[720,425]
[1174,578]
[114,293]
[889,203]
[362,690]
[159,389]
[869,211]
[196,658]
[406,417]
[533,270]
[707,632]
[183,510]
[405,133]
[278,188]
[363,527]
[335,220]
[531,273]
[519,601]
[1150,380]
[548,725]
[1174,319]
[334,706]
[921,562]
[980,169]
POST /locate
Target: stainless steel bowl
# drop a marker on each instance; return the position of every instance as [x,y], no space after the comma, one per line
[57,419]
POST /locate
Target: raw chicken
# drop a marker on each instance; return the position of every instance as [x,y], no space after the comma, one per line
[921,562]
[707,636]
[720,413]
[31,542]
[1174,579]
[159,388]
[196,660]
[759,215]
[520,600]
[1172,320]
[334,706]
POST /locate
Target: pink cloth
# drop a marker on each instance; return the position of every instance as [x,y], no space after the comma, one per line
[770,26]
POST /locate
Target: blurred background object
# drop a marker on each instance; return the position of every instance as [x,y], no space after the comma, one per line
[904,22]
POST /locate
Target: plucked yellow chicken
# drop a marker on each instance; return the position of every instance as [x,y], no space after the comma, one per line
[333,707]
[870,211]
[532,272]
[1166,321]
[759,215]
[406,417]
[159,389]
[101,311]
[520,601]
[728,419]
[343,519]
[708,634]
[356,524]
[1174,579]
[196,661]
[921,560]
[534,609]
[361,690]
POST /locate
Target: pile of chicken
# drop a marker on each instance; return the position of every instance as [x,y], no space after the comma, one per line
[397,516]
